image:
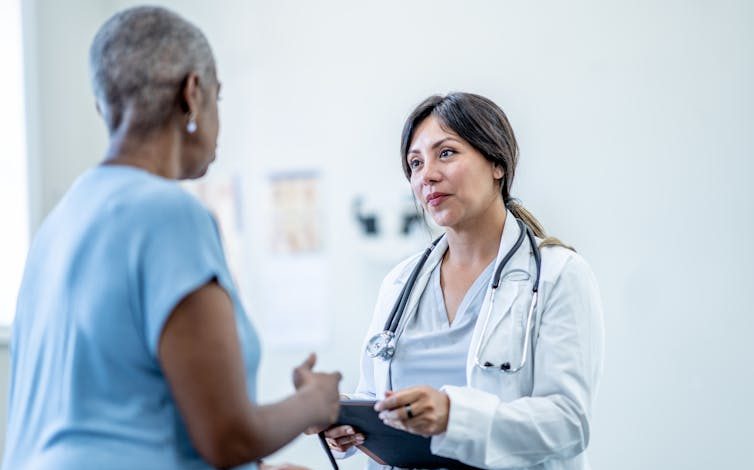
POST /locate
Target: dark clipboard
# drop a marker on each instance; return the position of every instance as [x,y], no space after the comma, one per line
[390,446]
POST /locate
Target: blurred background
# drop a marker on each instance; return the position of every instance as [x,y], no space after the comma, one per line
[636,127]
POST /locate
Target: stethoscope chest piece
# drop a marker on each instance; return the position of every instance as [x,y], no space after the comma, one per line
[382,345]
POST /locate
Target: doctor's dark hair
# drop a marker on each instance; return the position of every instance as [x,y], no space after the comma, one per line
[140,59]
[482,124]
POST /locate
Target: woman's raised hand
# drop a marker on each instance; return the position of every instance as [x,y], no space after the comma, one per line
[321,390]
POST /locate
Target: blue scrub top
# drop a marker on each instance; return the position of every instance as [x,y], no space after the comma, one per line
[103,274]
[431,351]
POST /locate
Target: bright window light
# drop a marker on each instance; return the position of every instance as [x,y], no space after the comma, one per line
[14,205]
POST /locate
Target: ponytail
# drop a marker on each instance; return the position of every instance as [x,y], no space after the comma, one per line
[520,212]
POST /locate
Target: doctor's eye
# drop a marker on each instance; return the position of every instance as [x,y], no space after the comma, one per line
[414,163]
[444,153]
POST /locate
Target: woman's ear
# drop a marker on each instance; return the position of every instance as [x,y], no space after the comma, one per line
[497,172]
[191,94]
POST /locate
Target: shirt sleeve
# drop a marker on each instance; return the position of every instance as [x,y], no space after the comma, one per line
[179,252]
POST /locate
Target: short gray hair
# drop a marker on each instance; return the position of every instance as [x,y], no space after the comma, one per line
[141,57]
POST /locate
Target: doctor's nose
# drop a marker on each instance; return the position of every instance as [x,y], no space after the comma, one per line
[430,173]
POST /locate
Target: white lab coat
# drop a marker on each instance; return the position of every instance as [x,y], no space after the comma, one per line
[537,418]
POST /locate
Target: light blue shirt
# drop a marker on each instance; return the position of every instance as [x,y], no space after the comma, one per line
[103,274]
[431,351]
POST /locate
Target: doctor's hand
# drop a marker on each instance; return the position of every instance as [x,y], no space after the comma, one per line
[320,391]
[418,410]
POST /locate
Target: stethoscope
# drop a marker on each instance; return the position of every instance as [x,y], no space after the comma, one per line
[382,344]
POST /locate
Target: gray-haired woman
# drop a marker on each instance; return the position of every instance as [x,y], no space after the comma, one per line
[130,347]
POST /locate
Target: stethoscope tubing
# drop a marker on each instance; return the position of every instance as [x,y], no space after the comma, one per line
[393,321]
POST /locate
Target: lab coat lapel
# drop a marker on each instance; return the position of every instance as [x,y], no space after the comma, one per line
[421,282]
[382,368]
[507,291]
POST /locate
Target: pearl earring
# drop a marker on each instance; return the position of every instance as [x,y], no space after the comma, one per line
[191,126]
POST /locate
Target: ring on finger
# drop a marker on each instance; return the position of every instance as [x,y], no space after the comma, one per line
[409,413]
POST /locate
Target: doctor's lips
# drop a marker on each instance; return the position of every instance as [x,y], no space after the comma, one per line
[435,199]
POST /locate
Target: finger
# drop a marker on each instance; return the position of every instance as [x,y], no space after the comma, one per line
[309,362]
[390,415]
[356,439]
[301,374]
[332,444]
[414,411]
[340,431]
[400,398]
[418,408]
[401,412]
[398,414]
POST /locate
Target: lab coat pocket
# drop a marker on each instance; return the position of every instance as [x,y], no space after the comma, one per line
[518,278]
[520,307]
[503,342]
[519,315]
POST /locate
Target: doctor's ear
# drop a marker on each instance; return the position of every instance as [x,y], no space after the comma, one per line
[497,172]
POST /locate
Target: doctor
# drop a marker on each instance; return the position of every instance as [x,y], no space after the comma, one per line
[490,341]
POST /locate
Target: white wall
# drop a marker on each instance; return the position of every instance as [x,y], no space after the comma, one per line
[635,122]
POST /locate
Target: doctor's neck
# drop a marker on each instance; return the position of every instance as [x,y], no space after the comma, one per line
[477,240]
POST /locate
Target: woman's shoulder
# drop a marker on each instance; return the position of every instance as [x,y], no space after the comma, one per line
[558,260]
[143,206]
[166,194]
[165,201]
[400,272]
[129,189]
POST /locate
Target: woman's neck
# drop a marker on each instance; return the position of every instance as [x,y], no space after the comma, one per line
[477,241]
[157,152]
